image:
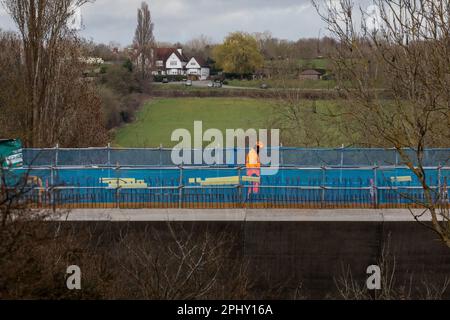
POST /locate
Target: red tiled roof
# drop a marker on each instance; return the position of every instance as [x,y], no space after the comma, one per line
[164,54]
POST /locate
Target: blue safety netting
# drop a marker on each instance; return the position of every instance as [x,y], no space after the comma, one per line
[288,157]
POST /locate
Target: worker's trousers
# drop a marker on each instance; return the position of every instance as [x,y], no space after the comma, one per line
[254,172]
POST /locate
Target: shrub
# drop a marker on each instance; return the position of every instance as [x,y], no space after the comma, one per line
[128,65]
[171,78]
[129,106]
[120,80]
[111,107]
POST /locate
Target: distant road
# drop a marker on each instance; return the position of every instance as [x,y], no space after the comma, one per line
[204,84]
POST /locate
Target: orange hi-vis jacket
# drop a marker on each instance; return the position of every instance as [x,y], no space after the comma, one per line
[253,159]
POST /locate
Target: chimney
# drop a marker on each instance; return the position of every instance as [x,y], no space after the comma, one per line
[180,51]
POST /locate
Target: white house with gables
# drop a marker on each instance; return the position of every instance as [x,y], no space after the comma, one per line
[172,61]
[197,67]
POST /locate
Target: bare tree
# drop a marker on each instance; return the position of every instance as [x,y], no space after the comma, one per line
[180,263]
[144,40]
[200,46]
[406,53]
[20,233]
[392,287]
[12,118]
[304,120]
[55,98]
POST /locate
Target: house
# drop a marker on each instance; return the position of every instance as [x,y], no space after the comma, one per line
[172,61]
[197,69]
[311,74]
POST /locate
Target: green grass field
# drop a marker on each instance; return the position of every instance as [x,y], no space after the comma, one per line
[160,117]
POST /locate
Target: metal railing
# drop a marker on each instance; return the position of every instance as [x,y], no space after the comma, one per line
[229,197]
[325,187]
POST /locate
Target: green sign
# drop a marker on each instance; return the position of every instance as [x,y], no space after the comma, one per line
[11,153]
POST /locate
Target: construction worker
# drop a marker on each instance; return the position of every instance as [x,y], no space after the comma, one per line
[253,165]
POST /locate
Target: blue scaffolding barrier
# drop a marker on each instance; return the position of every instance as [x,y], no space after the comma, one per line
[306,178]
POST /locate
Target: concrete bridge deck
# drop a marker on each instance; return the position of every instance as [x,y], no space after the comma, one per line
[265,215]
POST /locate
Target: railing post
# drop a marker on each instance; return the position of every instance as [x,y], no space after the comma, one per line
[241,202]
[56,154]
[117,188]
[375,188]
[51,195]
[342,164]
[445,196]
[118,197]
[180,189]
[109,154]
[322,203]
[441,191]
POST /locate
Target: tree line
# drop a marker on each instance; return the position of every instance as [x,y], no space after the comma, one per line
[47,93]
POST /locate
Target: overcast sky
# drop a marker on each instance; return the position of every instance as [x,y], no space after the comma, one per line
[182,20]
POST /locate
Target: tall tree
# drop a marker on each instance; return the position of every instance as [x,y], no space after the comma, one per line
[239,54]
[144,40]
[53,100]
[406,50]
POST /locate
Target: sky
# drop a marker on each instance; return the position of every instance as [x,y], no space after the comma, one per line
[181,20]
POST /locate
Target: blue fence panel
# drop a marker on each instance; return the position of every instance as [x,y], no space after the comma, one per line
[88,157]
[39,157]
[371,157]
[288,157]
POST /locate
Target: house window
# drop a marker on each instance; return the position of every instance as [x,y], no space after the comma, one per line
[173,63]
